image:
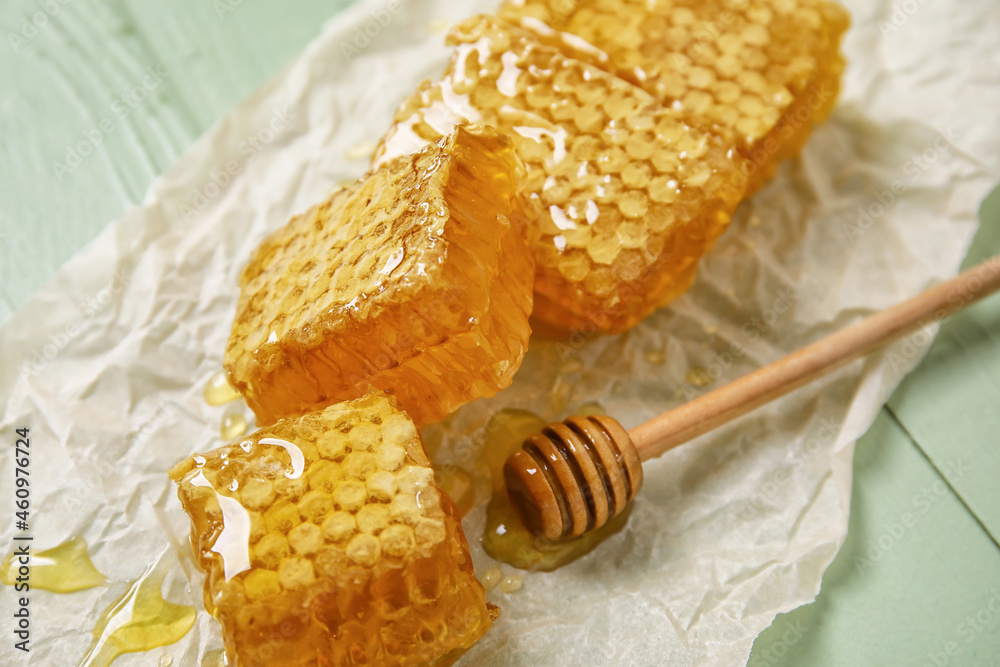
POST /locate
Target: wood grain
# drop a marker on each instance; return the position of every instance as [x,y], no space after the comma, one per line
[81,83]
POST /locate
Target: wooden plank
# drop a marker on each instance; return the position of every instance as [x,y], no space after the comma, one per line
[78,92]
[917,581]
[950,405]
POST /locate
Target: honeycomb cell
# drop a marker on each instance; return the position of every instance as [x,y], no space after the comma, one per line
[351,585]
[761,72]
[416,279]
[608,170]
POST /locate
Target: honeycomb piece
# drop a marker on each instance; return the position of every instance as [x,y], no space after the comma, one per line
[416,279]
[309,564]
[762,72]
[625,195]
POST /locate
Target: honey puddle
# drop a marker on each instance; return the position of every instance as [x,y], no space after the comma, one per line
[218,391]
[141,620]
[505,538]
[65,568]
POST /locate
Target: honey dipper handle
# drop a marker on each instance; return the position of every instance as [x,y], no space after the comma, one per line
[737,398]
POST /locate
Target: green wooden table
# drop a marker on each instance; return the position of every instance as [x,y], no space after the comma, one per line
[97,98]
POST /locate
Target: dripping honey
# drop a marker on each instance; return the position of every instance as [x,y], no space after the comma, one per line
[233,426]
[218,391]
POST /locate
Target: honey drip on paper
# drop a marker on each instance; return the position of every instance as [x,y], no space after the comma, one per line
[141,620]
[218,391]
[656,357]
[505,538]
[214,658]
[512,583]
[491,578]
[65,568]
[233,426]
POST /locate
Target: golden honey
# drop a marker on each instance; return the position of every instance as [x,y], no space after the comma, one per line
[512,583]
[233,426]
[415,279]
[492,578]
[761,72]
[214,658]
[218,391]
[625,194]
[326,541]
[65,568]
[140,621]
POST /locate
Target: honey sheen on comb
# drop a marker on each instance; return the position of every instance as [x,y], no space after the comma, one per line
[626,196]
[415,279]
[761,72]
[327,542]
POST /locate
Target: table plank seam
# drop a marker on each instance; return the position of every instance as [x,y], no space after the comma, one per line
[941,474]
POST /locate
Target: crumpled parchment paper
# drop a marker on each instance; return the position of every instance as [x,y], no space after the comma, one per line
[106,364]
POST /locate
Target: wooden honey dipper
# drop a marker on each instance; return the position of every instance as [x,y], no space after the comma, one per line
[577,474]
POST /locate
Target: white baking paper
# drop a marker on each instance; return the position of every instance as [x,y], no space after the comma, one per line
[106,364]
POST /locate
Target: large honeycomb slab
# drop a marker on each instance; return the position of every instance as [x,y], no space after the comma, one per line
[762,72]
[327,542]
[626,196]
[416,279]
